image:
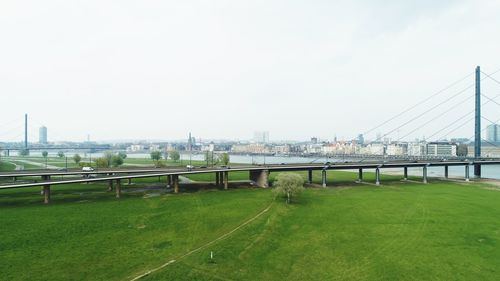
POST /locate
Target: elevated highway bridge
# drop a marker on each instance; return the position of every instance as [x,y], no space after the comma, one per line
[257,174]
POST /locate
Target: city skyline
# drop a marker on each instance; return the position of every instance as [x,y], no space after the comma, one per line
[120,79]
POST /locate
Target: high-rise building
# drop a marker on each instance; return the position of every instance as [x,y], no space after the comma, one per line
[261,137]
[190,143]
[493,133]
[42,135]
[361,139]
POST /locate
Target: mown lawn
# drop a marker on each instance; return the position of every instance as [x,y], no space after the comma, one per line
[5,166]
[398,231]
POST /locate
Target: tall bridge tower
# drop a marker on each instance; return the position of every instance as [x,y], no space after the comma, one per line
[26,131]
[477,131]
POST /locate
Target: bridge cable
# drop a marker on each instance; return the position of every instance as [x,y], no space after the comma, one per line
[418,103]
[457,120]
[425,112]
[434,107]
[489,76]
[434,119]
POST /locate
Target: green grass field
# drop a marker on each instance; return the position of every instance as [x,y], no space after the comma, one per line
[398,231]
[5,166]
[40,162]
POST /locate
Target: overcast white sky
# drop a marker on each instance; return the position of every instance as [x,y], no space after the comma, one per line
[224,69]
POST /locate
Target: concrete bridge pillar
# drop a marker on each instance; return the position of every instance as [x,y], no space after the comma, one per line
[467,172]
[360,175]
[169,181]
[323,178]
[405,173]
[129,181]
[46,190]
[309,176]
[226,179]
[175,182]
[445,172]
[217,178]
[110,185]
[425,174]
[377,176]
[260,177]
[118,188]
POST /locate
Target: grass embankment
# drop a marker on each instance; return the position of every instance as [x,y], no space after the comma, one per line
[6,166]
[399,231]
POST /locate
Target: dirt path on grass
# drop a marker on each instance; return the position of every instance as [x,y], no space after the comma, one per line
[225,235]
[42,165]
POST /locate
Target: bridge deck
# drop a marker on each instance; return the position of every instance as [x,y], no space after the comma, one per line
[122,174]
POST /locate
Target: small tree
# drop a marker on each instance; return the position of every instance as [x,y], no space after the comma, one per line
[224,158]
[60,154]
[102,162]
[24,152]
[77,158]
[116,160]
[165,154]
[289,184]
[108,155]
[156,156]
[122,155]
[175,155]
[45,154]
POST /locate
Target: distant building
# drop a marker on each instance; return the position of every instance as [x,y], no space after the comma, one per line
[261,137]
[376,149]
[154,147]
[361,139]
[190,143]
[397,149]
[42,135]
[441,149]
[417,149]
[493,133]
[314,140]
[135,148]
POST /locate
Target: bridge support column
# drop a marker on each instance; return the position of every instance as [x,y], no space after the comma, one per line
[310,176]
[477,127]
[260,177]
[405,173]
[110,185]
[46,191]
[169,181]
[360,175]
[226,179]
[118,188]
[323,178]
[445,172]
[129,181]
[175,182]
[467,173]
[377,176]
[425,174]
[217,178]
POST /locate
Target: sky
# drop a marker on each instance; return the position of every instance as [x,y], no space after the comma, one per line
[223,69]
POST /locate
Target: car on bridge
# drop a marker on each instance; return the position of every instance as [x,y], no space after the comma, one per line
[87,169]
